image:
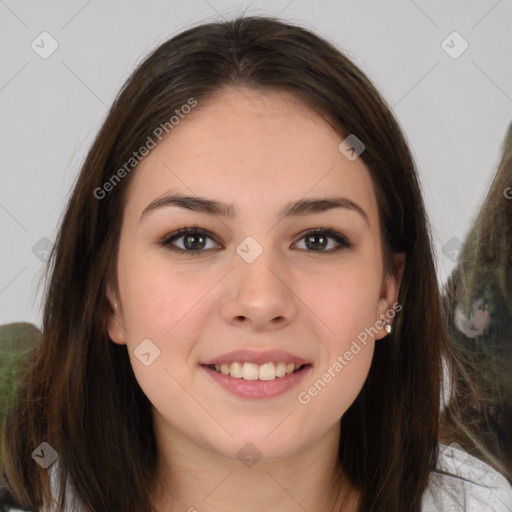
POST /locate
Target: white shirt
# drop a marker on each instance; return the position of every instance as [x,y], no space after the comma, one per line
[486,491]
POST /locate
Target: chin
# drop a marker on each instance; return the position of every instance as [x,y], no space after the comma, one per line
[258,446]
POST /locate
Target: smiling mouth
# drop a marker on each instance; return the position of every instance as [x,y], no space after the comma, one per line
[251,371]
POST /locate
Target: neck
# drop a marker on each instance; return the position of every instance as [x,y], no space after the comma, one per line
[194,478]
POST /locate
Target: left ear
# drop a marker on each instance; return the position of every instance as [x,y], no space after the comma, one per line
[389,294]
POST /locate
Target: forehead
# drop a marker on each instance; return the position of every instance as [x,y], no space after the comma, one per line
[255,149]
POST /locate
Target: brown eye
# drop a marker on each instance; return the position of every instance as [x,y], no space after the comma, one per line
[318,239]
[192,240]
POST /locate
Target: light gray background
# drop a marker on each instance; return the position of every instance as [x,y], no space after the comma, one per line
[454,112]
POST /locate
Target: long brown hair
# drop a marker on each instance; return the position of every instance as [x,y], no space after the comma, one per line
[478,313]
[79,393]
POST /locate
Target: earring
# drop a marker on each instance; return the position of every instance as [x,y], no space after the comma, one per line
[115,305]
[386,326]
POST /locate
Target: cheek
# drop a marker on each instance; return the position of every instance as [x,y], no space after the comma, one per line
[338,379]
[339,384]
[161,303]
[158,298]
[345,300]
[169,305]
[346,304]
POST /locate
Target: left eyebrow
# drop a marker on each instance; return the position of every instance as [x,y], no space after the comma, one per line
[220,209]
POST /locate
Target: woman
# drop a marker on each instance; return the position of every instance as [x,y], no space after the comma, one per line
[243,306]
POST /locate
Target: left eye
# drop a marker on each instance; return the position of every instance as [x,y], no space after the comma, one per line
[318,238]
[194,240]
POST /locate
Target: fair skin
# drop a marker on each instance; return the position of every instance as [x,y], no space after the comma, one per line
[258,151]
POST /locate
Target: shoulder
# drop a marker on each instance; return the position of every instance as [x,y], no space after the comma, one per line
[71,503]
[472,485]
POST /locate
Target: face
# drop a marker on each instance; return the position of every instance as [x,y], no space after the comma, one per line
[260,283]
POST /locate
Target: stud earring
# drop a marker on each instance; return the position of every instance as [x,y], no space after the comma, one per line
[386,326]
[115,305]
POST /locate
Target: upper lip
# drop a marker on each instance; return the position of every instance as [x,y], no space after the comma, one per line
[251,356]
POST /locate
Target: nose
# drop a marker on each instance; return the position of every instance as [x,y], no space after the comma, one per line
[260,294]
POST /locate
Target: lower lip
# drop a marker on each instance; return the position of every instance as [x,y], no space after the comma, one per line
[258,388]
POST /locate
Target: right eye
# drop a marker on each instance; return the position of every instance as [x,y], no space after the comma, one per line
[193,240]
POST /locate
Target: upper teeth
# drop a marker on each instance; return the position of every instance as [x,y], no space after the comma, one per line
[251,371]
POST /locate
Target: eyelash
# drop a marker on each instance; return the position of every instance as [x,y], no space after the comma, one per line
[343,242]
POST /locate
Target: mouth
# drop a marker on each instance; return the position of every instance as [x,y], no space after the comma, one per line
[250,371]
[252,374]
[257,381]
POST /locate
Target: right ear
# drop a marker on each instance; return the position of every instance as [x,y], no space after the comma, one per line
[116,330]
